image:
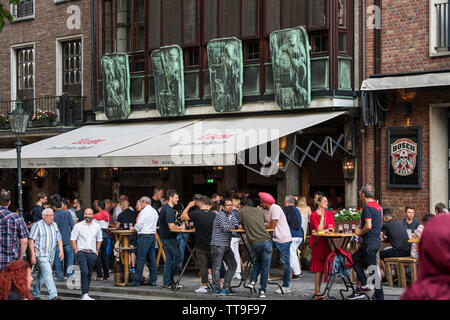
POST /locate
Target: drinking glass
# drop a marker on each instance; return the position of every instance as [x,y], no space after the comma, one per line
[346,227]
[353,228]
[341,228]
[330,228]
[125,226]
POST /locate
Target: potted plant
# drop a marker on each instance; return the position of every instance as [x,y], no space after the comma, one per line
[44,118]
[4,121]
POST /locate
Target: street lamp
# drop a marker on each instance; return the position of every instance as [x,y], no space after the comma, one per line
[19,119]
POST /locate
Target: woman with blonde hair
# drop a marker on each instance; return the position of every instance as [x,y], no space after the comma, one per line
[305,211]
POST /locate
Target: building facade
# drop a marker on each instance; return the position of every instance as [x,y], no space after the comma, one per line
[311,155]
[406,72]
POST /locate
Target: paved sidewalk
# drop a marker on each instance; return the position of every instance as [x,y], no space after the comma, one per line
[301,289]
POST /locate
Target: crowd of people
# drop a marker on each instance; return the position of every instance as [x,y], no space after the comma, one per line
[62,234]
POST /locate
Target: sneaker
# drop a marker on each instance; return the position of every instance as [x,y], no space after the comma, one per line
[228,292]
[167,287]
[364,289]
[251,285]
[283,290]
[356,296]
[237,276]
[217,293]
[297,276]
[178,286]
[56,298]
[261,294]
[86,297]
[202,289]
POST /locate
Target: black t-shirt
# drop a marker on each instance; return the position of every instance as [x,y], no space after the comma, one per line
[396,234]
[413,226]
[203,221]
[37,212]
[373,211]
[127,216]
[166,216]
[156,204]
[80,215]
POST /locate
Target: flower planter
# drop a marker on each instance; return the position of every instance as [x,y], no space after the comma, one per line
[43,123]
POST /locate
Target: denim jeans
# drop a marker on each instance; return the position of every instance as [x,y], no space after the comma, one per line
[263,254]
[226,255]
[366,256]
[60,265]
[45,274]
[284,250]
[86,262]
[146,252]
[173,258]
[182,246]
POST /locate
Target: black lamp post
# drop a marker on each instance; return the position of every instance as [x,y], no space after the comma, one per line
[19,119]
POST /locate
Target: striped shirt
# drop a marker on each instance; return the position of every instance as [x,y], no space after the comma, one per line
[45,237]
[12,228]
[221,235]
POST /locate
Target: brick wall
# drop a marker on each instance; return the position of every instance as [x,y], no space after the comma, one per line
[49,24]
[404,48]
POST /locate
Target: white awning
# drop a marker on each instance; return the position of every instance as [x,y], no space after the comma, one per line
[214,141]
[407,81]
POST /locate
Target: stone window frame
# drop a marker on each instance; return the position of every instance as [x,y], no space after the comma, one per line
[13,10]
[433,25]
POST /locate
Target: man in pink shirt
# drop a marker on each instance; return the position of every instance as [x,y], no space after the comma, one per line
[102,218]
[281,236]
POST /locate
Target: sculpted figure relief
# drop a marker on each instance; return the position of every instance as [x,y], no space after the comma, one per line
[169,80]
[116,86]
[291,68]
[226,74]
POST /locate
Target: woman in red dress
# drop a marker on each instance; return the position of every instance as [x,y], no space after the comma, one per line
[320,219]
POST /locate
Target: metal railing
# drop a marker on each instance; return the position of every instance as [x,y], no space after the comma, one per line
[443,26]
[49,111]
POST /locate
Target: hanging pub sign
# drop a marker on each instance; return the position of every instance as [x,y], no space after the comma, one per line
[404,157]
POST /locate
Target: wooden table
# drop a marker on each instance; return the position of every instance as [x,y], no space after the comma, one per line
[191,255]
[346,279]
[250,263]
[414,240]
[124,249]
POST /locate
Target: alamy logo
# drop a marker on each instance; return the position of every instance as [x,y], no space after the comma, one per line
[74,278]
[73,22]
[373,14]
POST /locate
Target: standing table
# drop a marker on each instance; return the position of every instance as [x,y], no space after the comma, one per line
[347,282]
[414,240]
[191,255]
[250,263]
[123,250]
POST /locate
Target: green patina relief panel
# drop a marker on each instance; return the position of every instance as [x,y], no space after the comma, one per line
[291,68]
[116,86]
[226,74]
[167,63]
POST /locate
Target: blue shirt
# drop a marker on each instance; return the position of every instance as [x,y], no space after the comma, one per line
[166,216]
[45,239]
[374,212]
[64,221]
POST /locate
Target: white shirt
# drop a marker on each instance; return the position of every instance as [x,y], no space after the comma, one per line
[147,220]
[87,235]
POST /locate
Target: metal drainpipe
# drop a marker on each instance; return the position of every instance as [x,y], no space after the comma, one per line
[377,129]
[363,131]
[94,55]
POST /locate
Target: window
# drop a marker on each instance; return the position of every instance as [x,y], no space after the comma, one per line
[72,67]
[24,10]
[25,73]
[439,27]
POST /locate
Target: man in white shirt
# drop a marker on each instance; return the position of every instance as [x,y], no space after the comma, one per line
[86,239]
[146,229]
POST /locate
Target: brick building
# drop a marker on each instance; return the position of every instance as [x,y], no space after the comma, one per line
[406,74]
[46,64]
